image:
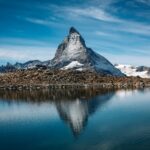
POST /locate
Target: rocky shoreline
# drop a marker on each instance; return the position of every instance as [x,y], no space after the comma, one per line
[66,86]
[61,79]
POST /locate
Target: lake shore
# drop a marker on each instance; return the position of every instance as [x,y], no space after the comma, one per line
[66,86]
[52,79]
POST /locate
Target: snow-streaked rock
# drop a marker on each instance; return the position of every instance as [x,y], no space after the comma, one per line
[28,65]
[74,49]
[129,70]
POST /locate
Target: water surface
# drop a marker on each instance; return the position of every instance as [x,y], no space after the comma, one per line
[75,119]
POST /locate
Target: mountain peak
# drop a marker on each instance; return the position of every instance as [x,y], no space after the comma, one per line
[73,30]
[73,53]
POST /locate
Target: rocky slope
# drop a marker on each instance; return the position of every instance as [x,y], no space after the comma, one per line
[39,78]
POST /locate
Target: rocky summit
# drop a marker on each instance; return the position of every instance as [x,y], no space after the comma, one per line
[72,54]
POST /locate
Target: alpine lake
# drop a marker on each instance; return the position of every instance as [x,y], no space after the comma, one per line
[75,119]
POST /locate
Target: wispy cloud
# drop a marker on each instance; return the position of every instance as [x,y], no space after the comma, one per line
[122,25]
[127,59]
[101,33]
[116,48]
[24,53]
[22,41]
[147,2]
[100,14]
[44,22]
[135,27]
[39,21]
[91,12]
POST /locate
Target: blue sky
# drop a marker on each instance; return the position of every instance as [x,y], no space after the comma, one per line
[117,29]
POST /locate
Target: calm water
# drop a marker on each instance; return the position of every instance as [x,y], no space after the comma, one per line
[75,120]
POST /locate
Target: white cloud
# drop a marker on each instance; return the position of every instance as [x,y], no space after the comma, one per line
[25,53]
[135,27]
[101,33]
[127,59]
[39,21]
[20,49]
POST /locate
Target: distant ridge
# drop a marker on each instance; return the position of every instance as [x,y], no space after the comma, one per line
[129,70]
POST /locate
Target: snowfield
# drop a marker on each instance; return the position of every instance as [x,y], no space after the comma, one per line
[130,70]
[73,64]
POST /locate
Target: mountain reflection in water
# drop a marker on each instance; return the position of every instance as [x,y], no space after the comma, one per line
[74,106]
[77,112]
[75,119]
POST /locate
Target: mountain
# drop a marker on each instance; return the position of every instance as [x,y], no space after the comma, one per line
[73,54]
[141,71]
[8,67]
[28,65]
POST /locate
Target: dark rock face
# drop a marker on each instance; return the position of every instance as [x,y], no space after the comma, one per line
[143,68]
[7,68]
[73,30]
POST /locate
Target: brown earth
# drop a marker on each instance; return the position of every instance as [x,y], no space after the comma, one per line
[38,78]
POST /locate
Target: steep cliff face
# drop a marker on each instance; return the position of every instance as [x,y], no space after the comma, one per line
[73,53]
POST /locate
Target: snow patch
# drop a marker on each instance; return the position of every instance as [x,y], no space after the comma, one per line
[80,69]
[73,64]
